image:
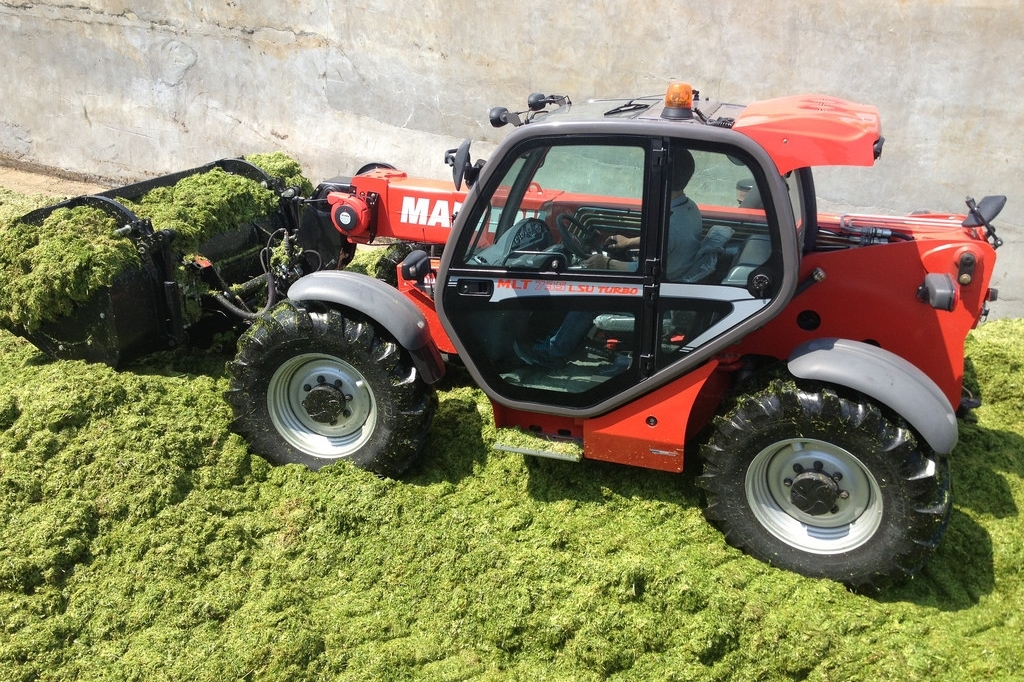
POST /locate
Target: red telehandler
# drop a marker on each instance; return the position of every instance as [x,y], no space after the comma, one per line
[648,281]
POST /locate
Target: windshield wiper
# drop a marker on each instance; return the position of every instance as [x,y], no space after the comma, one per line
[630,106]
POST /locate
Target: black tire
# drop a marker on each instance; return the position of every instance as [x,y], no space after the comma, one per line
[386,267]
[875,523]
[374,165]
[311,385]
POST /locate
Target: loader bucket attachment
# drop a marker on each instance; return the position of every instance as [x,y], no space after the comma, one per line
[143,308]
[119,323]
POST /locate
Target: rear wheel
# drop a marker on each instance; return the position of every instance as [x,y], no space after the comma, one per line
[825,485]
[313,386]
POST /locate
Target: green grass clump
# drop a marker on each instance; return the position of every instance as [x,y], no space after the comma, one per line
[365,261]
[140,539]
[204,205]
[46,271]
[283,167]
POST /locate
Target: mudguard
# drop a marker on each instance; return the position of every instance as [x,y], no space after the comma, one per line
[885,377]
[383,304]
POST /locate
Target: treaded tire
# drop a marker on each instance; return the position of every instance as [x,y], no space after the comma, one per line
[765,494]
[386,268]
[312,385]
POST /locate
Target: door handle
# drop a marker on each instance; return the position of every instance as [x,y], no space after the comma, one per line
[475,287]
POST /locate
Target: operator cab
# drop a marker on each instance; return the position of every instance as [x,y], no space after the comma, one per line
[589,264]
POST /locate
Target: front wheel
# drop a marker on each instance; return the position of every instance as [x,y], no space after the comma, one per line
[313,386]
[825,485]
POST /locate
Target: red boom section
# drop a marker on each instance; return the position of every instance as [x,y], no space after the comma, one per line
[414,210]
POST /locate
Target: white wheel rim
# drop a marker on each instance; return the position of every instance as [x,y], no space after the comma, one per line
[852,523]
[291,384]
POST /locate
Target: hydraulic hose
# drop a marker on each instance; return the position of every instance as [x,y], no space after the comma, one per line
[224,302]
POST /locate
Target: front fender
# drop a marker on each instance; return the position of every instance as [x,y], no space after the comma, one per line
[382,303]
[885,377]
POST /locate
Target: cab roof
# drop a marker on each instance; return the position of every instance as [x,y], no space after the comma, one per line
[796,131]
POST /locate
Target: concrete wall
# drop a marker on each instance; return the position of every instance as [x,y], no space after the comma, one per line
[107,89]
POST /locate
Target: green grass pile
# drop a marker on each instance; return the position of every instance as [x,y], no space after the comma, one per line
[202,206]
[283,167]
[140,540]
[48,269]
[45,272]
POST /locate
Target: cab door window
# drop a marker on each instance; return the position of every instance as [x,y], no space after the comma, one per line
[718,238]
[547,282]
[561,200]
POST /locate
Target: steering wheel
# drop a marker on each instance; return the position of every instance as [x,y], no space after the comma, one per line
[580,240]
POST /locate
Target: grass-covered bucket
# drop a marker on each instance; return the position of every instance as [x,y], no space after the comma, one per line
[115,275]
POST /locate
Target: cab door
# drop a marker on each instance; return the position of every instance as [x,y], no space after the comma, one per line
[588,265]
[535,307]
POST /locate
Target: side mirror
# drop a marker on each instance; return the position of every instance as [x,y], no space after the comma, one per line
[984,211]
[499,116]
[458,159]
[983,214]
[416,266]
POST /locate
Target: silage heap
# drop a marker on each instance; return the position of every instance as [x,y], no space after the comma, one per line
[45,271]
[51,269]
[141,539]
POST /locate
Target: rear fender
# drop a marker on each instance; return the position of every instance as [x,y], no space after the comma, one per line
[885,377]
[383,304]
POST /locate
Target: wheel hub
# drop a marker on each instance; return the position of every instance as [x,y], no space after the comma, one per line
[814,493]
[321,404]
[325,403]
